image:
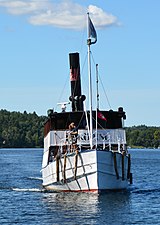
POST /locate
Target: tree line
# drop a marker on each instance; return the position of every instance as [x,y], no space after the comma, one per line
[25,130]
[143,136]
[21,130]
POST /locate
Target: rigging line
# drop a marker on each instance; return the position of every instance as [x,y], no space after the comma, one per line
[85,110]
[62,92]
[83,33]
[84,77]
[81,119]
[84,62]
[102,83]
[105,92]
[99,124]
[81,47]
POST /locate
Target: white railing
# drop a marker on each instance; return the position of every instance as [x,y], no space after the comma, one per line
[105,138]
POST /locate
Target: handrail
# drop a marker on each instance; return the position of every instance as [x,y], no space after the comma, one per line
[107,140]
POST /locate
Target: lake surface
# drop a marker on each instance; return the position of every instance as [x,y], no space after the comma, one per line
[22,200]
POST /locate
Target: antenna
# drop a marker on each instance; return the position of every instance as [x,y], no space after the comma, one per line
[63,105]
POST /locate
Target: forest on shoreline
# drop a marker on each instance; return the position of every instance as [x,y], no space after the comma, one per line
[25,130]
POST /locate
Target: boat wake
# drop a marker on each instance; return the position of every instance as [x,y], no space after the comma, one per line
[22,189]
[42,190]
[35,178]
[146,191]
[27,189]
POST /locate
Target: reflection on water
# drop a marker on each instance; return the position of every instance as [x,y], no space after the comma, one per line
[68,206]
[88,208]
[23,201]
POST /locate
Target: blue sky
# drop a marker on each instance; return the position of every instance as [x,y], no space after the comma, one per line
[36,37]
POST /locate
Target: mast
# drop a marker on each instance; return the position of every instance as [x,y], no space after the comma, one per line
[90,86]
[91,35]
[97,108]
[97,80]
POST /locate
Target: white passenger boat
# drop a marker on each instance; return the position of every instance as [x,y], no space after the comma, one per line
[85,150]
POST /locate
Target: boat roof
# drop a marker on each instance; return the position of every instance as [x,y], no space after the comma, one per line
[60,121]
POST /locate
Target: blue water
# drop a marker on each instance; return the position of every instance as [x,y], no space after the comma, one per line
[22,200]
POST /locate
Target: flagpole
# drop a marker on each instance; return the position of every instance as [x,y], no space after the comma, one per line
[97,80]
[90,86]
[97,104]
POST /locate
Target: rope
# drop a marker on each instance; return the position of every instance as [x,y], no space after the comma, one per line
[102,84]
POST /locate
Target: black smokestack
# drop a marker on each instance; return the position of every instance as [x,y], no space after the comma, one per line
[76,97]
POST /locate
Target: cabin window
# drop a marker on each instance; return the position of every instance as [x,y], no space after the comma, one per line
[53,150]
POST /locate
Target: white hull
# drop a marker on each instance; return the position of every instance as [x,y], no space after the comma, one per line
[89,170]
